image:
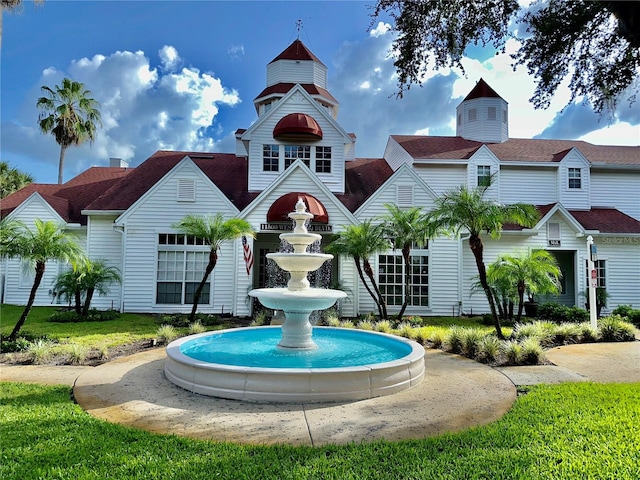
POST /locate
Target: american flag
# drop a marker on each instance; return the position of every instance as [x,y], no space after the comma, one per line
[248,256]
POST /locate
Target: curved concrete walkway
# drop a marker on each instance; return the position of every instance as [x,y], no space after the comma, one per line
[457,393]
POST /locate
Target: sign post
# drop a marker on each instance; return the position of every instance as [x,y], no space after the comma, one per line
[592,281]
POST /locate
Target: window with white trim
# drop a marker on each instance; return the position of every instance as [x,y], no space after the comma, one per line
[270,158]
[182,261]
[601,273]
[484,175]
[575,178]
[323,159]
[295,152]
[392,283]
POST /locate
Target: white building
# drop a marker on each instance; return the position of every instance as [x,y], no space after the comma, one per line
[296,147]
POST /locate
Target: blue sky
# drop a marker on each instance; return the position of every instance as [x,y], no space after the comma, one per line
[183,75]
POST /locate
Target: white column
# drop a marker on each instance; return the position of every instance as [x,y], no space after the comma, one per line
[592,283]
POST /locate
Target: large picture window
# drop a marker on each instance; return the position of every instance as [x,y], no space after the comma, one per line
[182,261]
[391,279]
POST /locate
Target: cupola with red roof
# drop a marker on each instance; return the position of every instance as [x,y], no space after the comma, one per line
[296,65]
[483,115]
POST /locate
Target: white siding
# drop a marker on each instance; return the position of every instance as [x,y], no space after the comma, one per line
[618,189]
[537,186]
[574,199]
[395,155]
[443,178]
[622,256]
[105,243]
[482,129]
[485,158]
[260,180]
[291,71]
[155,214]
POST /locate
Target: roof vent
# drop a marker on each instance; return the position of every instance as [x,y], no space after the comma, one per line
[118,162]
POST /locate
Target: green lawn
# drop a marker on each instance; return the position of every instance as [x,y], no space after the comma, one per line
[569,431]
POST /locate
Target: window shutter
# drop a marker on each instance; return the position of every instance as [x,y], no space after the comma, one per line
[186,190]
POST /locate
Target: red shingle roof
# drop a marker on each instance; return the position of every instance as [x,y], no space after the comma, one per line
[283,88]
[297,51]
[363,177]
[482,90]
[70,198]
[516,150]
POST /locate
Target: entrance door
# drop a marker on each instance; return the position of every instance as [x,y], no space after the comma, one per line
[566,262]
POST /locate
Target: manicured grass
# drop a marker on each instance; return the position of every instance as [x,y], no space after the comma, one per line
[569,431]
[128,328]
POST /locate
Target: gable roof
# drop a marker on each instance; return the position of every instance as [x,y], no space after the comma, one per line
[70,198]
[226,170]
[297,51]
[363,177]
[284,87]
[601,219]
[516,150]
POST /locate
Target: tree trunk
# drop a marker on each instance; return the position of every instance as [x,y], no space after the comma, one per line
[406,256]
[213,259]
[32,296]
[78,302]
[477,249]
[63,151]
[383,304]
[520,300]
[87,302]
[366,285]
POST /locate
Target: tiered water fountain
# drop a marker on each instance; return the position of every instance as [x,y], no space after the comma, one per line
[295,362]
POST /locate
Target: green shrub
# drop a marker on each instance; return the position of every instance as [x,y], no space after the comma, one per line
[40,351]
[453,339]
[615,329]
[70,316]
[405,329]
[531,352]
[196,327]
[259,319]
[542,331]
[347,324]
[333,321]
[384,326]
[365,325]
[488,348]
[77,353]
[469,341]
[567,333]
[588,334]
[21,343]
[632,315]
[166,333]
[181,320]
[554,312]
[436,338]
[512,351]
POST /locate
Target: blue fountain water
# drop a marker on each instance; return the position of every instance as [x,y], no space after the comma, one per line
[256,347]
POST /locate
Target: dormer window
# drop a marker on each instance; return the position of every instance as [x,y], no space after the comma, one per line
[484,175]
[575,178]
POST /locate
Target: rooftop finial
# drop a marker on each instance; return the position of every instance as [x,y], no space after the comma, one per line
[298,27]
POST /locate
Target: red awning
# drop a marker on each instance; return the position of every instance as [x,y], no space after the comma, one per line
[299,126]
[282,207]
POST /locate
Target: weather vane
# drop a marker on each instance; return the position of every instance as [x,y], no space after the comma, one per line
[299,27]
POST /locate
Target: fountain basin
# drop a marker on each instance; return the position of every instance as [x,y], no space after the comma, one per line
[299,262]
[306,300]
[342,380]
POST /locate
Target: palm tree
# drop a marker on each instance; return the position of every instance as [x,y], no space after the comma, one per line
[86,277]
[360,242]
[12,179]
[46,241]
[214,231]
[533,272]
[464,209]
[70,114]
[406,227]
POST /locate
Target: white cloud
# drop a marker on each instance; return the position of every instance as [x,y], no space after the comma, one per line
[143,107]
[381,29]
[236,51]
[618,134]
